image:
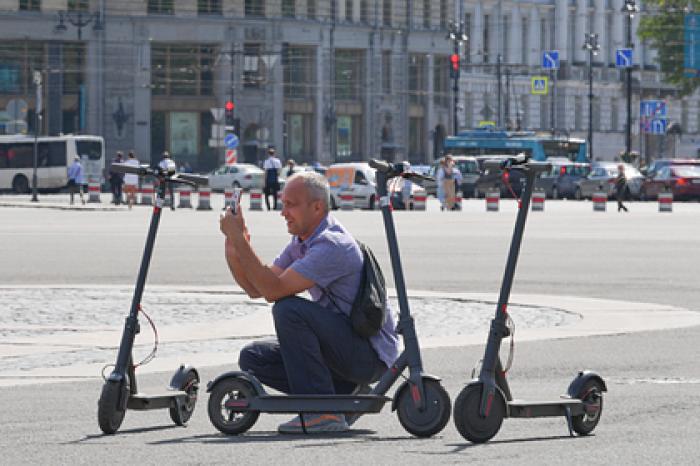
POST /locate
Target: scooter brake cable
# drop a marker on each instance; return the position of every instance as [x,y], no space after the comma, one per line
[151,356]
[511,352]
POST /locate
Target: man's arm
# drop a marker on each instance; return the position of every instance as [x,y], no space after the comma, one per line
[239,274]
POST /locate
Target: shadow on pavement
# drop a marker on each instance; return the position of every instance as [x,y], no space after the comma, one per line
[461,447]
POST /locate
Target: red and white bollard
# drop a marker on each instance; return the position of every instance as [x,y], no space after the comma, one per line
[600,201]
[204,199]
[255,199]
[492,200]
[538,201]
[147,193]
[665,202]
[184,194]
[94,192]
[420,199]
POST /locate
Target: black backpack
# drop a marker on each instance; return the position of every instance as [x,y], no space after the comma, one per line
[368,312]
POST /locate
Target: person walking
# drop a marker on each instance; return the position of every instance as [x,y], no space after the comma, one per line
[76,179]
[448,183]
[290,170]
[620,187]
[167,165]
[272,167]
[131,181]
[439,178]
[458,185]
[116,180]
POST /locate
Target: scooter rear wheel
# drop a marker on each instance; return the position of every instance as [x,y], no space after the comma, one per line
[591,394]
[433,418]
[226,419]
[109,414]
[469,422]
[190,386]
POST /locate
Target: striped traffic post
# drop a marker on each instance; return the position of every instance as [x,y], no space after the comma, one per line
[492,200]
[420,198]
[204,199]
[665,202]
[538,201]
[600,201]
[255,199]
[184,194]
[94,192]
[147,193]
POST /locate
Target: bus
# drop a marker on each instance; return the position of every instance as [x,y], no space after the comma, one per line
[540,146]
[54,156]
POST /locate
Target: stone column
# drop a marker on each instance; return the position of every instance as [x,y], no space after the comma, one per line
[534,52]
[478,34]
[581,55]
[515,35]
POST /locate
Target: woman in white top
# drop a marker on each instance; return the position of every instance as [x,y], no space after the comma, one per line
[131,181]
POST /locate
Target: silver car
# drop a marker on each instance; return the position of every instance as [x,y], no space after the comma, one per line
[240,175]
[602,178]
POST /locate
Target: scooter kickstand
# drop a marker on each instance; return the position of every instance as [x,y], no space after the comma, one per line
[568,421]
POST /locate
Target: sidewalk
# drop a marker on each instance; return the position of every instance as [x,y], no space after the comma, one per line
[59,201]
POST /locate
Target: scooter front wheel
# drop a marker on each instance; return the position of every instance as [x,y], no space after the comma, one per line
[591,394]
[109,414]
[228,395]
[435,415]
[468,420]
[190,386]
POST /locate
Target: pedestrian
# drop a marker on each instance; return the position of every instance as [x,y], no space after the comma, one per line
[457,175]
[620,187]
[406,188]
[290,170]
[448,182]
[272,167]
[116,180]
[131,181]
[317,351]
[167,165]
[76,179]
[439,178]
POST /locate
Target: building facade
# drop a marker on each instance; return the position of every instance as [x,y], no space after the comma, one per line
[322,80]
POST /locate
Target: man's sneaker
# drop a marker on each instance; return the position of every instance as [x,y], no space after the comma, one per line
[315,423]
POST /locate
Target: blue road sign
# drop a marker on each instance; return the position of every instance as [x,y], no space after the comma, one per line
[550,59]
[623,58]
[231,141]
[658,126]
[653,108]
[691,45]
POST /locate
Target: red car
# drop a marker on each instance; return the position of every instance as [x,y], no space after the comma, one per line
[680,179]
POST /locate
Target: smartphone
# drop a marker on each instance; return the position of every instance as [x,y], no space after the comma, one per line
[235,200]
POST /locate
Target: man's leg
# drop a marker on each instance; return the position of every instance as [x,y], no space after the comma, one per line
[264,360]
[275,190]
[318,345]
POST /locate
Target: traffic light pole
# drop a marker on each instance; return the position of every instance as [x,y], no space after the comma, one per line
[628,135]
[455,91]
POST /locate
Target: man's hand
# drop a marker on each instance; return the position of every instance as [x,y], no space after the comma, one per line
[233,226]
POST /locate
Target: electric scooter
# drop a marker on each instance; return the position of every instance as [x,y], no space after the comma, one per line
[423,406]
[484,402]
[120,391]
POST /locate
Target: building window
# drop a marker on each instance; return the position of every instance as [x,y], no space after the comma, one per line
[30,5]
[311,9]
[468,110]
[77,5]
[289,9]
[253,66]
[182,69]
[74,55]
[364,12]
[524,35]
[298,66]
[578,113]
[441,81]
[163,7]
[505,39]
[299,132]
[443,14]
[18,60]
[468,32]
[334,11]
[416,139]
[349,10]
[386,72]
[254,8]
[349,74]
[386,13]
[614,115]
[209,7]
[427,13]
[349,137]
[416,79]
[485,38]
[543,34]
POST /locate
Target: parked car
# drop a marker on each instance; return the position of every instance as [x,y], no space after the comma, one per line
[356,177]
[469,168]
[490,180]
[602,177]
[240,175]
[657,164]
[681,180]
[561,181]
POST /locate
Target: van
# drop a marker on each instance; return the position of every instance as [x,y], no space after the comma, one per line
[356,177]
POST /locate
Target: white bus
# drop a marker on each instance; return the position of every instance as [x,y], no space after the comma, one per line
[54,156]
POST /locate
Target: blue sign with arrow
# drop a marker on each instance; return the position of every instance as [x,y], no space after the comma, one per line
[550,59]
[623,58]
[231,141]
[691,45]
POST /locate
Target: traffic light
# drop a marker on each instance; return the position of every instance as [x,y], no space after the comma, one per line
[454,68]
[228,107]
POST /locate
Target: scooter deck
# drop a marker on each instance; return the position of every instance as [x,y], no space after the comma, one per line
[553,408]
[142,401]
[312,403]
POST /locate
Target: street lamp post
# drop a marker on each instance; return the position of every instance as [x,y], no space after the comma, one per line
[629,9]
[457,35]
[37,120]
[591,44]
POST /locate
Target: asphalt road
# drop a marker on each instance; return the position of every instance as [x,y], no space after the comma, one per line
[651,409]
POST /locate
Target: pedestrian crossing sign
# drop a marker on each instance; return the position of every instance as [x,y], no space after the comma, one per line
[539,85]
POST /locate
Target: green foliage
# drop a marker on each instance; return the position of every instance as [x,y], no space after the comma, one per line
[661,26]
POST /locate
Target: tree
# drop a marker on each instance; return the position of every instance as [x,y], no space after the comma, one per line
[661,26]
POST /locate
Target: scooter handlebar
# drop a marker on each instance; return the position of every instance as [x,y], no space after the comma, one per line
[397,170]
[189,178]
[140,170]
[380,165]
